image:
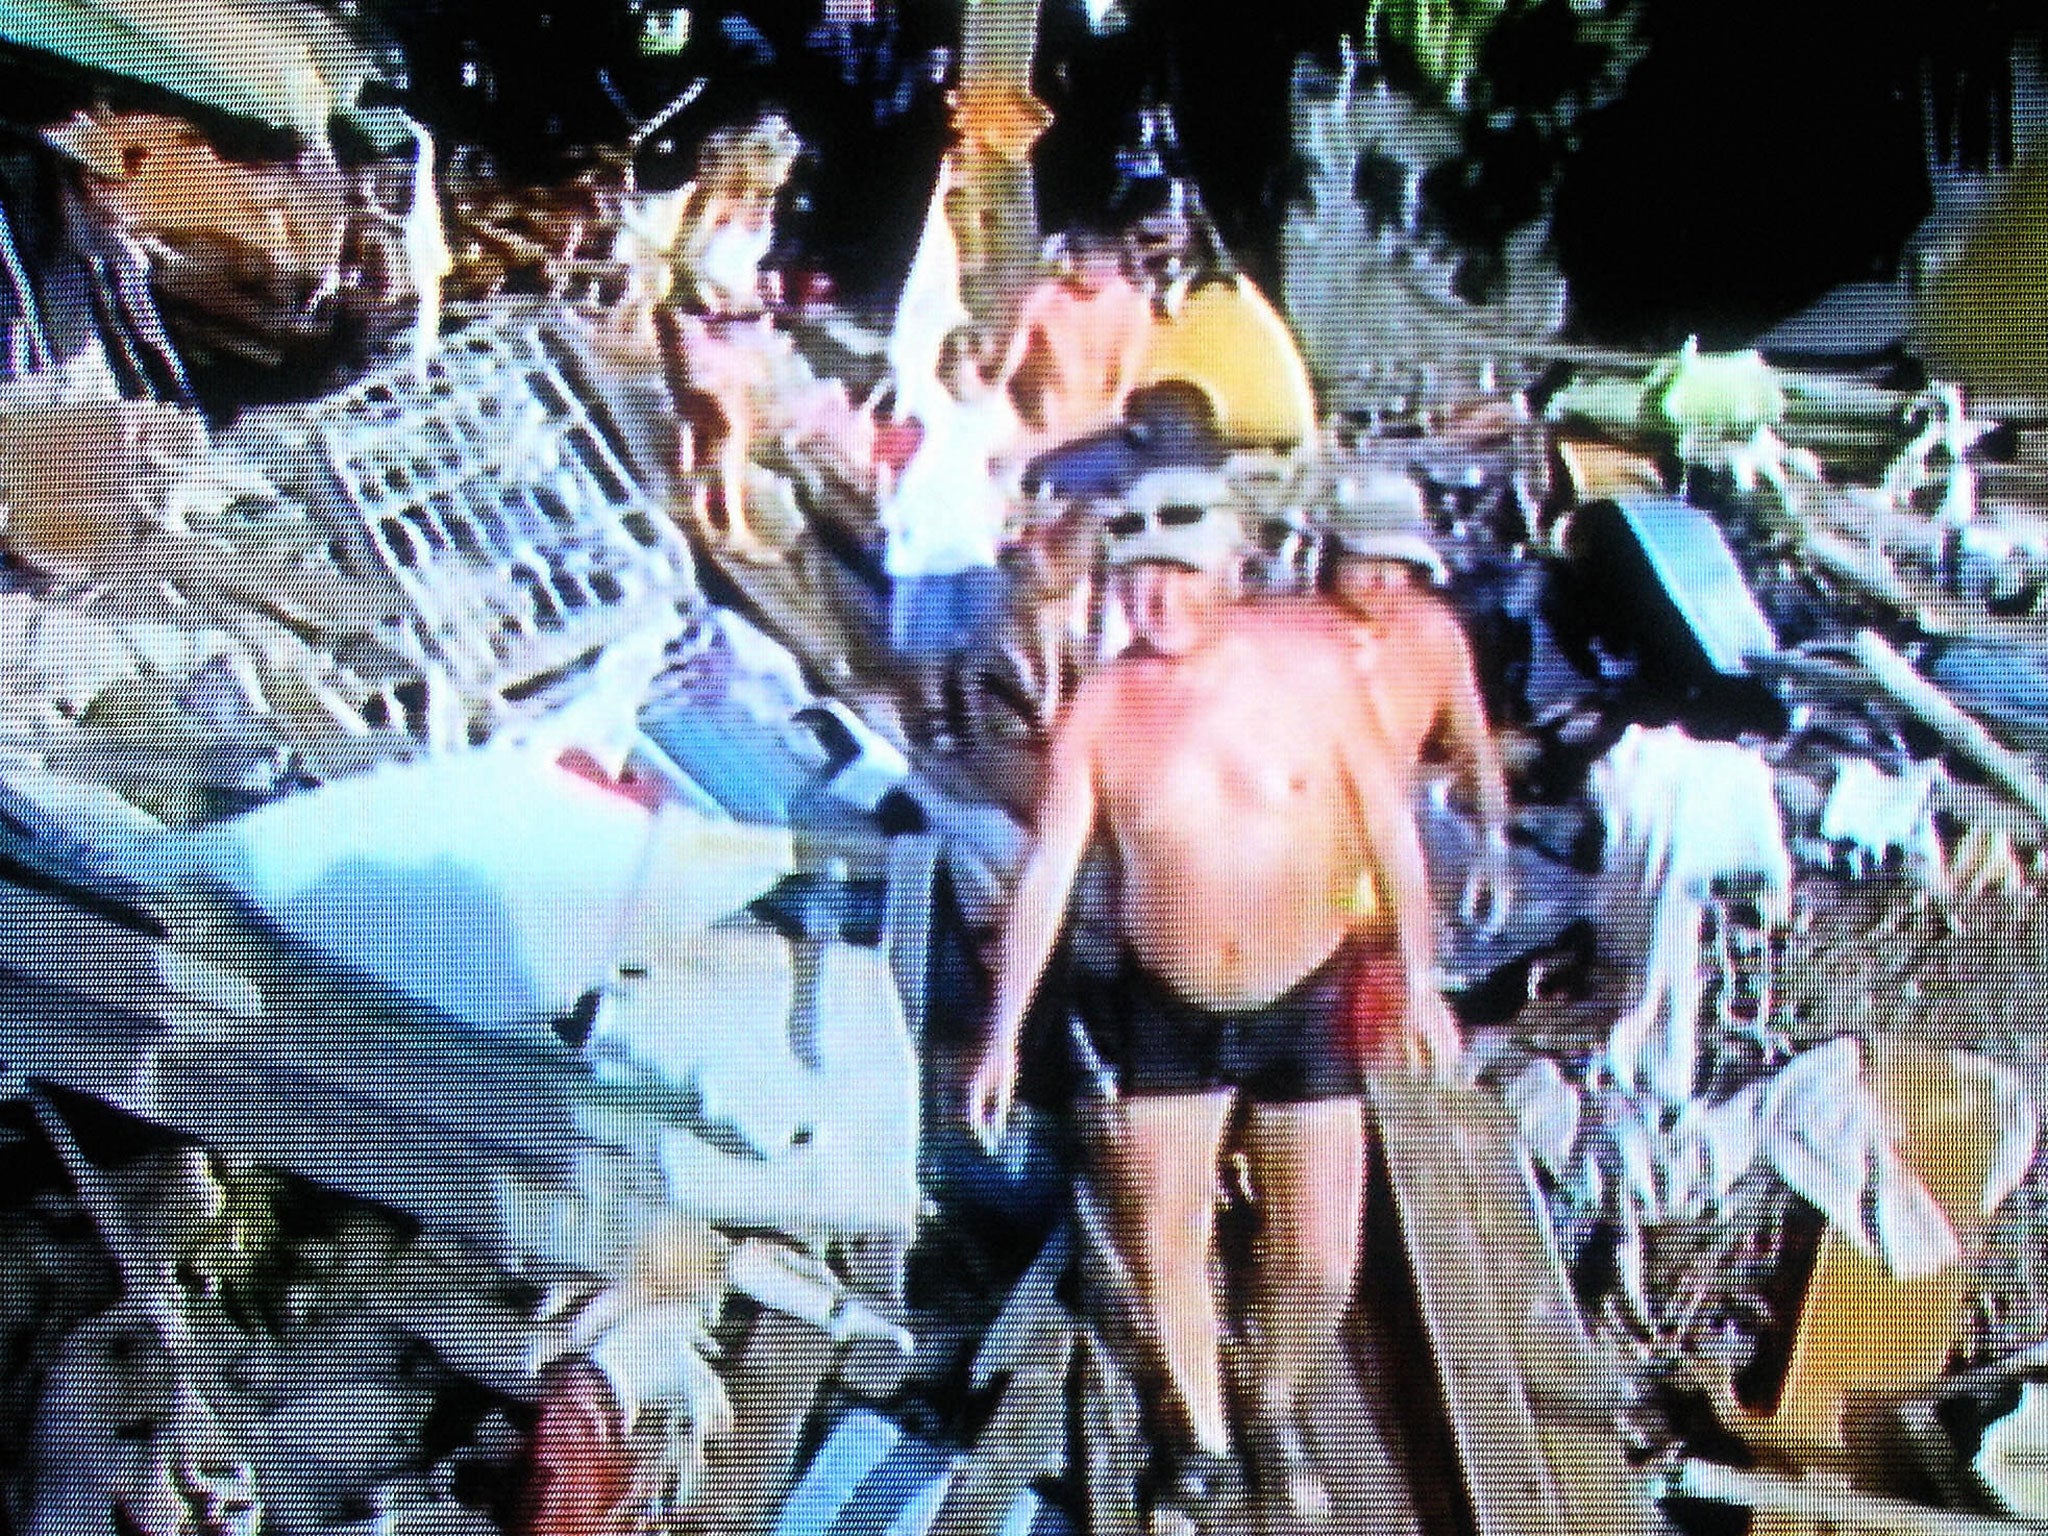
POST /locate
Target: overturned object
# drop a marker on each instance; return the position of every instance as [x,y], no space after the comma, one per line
[501,510]
[1667,568]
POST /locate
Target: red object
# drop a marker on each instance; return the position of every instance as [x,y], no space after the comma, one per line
[809,290]
[581,1469]
[896,441]
[641,788]
[1379,1001]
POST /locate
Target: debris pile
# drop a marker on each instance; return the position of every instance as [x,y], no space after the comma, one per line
[491,763]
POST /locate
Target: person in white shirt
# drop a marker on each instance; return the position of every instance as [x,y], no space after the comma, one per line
[943,522]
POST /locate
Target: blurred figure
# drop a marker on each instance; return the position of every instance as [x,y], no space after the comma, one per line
[1082,334]
[1382,572]
[944,522]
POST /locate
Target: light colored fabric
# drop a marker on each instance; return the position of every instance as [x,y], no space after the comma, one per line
[949,505]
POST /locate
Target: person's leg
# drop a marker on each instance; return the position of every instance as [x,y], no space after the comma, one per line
[1307,1166]
[975,623]
[1160,1165]
[920,624]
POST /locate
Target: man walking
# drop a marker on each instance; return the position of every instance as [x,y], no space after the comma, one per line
[1382,573]
[1266,858]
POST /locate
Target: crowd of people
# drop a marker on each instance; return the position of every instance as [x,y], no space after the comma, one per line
[1245,762]
[1237,760]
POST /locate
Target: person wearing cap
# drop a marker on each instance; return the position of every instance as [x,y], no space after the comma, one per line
[1233,765]
[1383,572]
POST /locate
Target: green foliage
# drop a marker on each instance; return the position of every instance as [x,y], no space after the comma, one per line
[1442,37]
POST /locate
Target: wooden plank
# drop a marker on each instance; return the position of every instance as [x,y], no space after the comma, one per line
[1030,1347]
[1965,734]
[749,1470]
[1488,1288]
[1026,1439]
[1833,1503]
[1112,1447]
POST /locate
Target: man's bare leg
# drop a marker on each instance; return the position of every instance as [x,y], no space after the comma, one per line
[1307,1164]
[1161,1163]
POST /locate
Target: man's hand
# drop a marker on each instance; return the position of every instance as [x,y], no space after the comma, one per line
[990,1094]
[1433,1042]
[1484,904]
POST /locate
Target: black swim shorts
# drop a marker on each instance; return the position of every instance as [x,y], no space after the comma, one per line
[1293,1050]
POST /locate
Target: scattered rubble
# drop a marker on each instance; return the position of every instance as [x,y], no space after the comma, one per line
[467,817]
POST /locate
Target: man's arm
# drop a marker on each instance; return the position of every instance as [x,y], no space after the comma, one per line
[1038,909]
[1030,316]
[1468,736]
[1388,822]
[1134,335]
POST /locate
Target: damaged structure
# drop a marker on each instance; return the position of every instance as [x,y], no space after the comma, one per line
[490,946]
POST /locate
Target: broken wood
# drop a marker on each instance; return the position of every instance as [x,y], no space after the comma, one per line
[1112,1443]
[1963,732]
[1025,1440]
[1833,1500]
[1864,569]
[775,1384]
[1501,1320]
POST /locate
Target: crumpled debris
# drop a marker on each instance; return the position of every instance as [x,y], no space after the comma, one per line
[1547,1111]
[279,221]
[1939,455]
[1704,396]
[1828,1137]
[1984,860]
[1683,818]
[427,258]
[2019,1120]
[1817,1124]
[658,1356]
[83,480]
[1876,813]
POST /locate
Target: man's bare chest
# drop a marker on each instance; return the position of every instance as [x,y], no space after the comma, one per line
[1197,760]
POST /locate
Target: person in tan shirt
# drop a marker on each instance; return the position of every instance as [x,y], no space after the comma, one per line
[1383,574]
[1235,767]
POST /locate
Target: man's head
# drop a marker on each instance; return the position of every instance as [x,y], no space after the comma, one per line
[1176,548]
[1092,259]
[1379,540]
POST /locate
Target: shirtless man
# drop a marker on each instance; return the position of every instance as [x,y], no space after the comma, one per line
[1230,758]
[1381,573]
[1090,325]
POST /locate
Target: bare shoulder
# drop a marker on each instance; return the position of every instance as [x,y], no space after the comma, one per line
[1442,629]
